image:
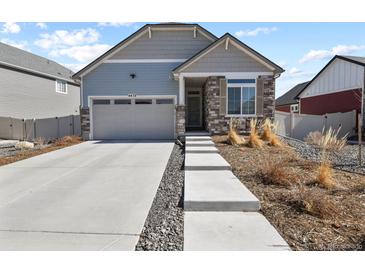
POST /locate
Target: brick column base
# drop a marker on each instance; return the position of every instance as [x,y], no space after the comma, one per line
[85,123]
[180,120]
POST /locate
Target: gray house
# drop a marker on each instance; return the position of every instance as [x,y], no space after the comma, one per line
[166,79]
[35,87]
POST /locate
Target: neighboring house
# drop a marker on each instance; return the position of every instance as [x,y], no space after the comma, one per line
[35,87]
[168,78]
[289,102]
[338,87]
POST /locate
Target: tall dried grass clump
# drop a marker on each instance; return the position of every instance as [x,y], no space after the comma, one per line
[327,139]
[269,133]
[254,140]
[275,173]
[324,176]
[233,137]
[317,204]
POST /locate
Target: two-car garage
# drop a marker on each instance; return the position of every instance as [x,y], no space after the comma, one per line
[125,118]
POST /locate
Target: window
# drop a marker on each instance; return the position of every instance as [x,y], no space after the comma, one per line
[61,86]
[241,97]
[122,102]
[143,101]
[294,108]
[101,102]
[164,101]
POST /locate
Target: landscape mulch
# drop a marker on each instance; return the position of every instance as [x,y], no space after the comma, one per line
[38,149]
[308,216]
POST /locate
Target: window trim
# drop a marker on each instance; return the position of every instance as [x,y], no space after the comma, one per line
[241,85]
[66,86]
[294,108]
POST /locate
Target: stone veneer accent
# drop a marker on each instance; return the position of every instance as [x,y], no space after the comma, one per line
[85,122]
[219,124]
[180,120]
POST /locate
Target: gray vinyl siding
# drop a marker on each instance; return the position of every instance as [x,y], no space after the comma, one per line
[222,60]
[164,45]
[114,79]
[26,96]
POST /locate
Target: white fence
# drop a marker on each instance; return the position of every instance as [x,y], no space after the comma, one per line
[299,125]
[48,128]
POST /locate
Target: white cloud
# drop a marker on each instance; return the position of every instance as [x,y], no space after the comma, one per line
[82,54]
[42,25]
[63,38]
[255,32]
[18,44]
[74,67]
[10,27]
[295,72]
[325,54]
[115,24]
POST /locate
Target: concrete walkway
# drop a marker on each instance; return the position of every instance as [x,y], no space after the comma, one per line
[220,212]
[92,196]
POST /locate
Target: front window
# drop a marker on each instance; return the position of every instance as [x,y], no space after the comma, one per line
[241,97]
[61,86]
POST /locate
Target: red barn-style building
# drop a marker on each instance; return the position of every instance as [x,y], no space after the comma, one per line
[338,87]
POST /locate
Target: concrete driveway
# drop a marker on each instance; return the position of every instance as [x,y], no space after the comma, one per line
[91,196]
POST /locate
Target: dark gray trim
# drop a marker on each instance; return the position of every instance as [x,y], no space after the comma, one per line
[228,35]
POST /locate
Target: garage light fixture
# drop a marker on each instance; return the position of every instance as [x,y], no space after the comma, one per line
[132,75]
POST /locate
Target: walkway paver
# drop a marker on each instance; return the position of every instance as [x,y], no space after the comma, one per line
[205,161]
[197,143]
[198,138]
[202,149]
[230,231]
[217,191]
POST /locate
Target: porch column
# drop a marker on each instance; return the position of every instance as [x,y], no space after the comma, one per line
[181,90]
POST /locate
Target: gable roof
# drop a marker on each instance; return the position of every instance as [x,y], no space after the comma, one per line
[136,34]
[204,51]
[290,96]
[352,59]
[19,59]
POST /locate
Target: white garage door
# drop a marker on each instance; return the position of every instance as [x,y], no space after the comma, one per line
[133,118]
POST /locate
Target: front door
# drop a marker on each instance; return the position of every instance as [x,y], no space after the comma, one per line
[194,108]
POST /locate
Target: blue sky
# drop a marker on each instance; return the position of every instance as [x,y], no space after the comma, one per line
[302,49]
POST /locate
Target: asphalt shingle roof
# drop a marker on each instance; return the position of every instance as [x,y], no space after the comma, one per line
[289,96]
[30,61]
[355,58]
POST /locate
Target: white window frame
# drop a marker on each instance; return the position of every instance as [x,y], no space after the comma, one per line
[294,108]
[63,82]
[241,85]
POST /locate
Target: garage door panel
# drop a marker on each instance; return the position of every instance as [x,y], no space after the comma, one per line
[112,122]
[134,121]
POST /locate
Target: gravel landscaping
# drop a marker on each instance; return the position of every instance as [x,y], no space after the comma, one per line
[164,226]
[346,159]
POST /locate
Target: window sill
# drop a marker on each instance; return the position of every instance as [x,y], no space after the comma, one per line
[240,115]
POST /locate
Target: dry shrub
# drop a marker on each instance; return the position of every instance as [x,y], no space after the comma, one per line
[275,173]
[233,137]
[254,139]
[327,139]
[324,177]
[317,204]
[269,133]
[39,141]
[67,140]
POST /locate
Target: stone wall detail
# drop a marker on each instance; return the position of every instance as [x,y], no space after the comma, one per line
[180,120]
[217,123]
[85,122]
